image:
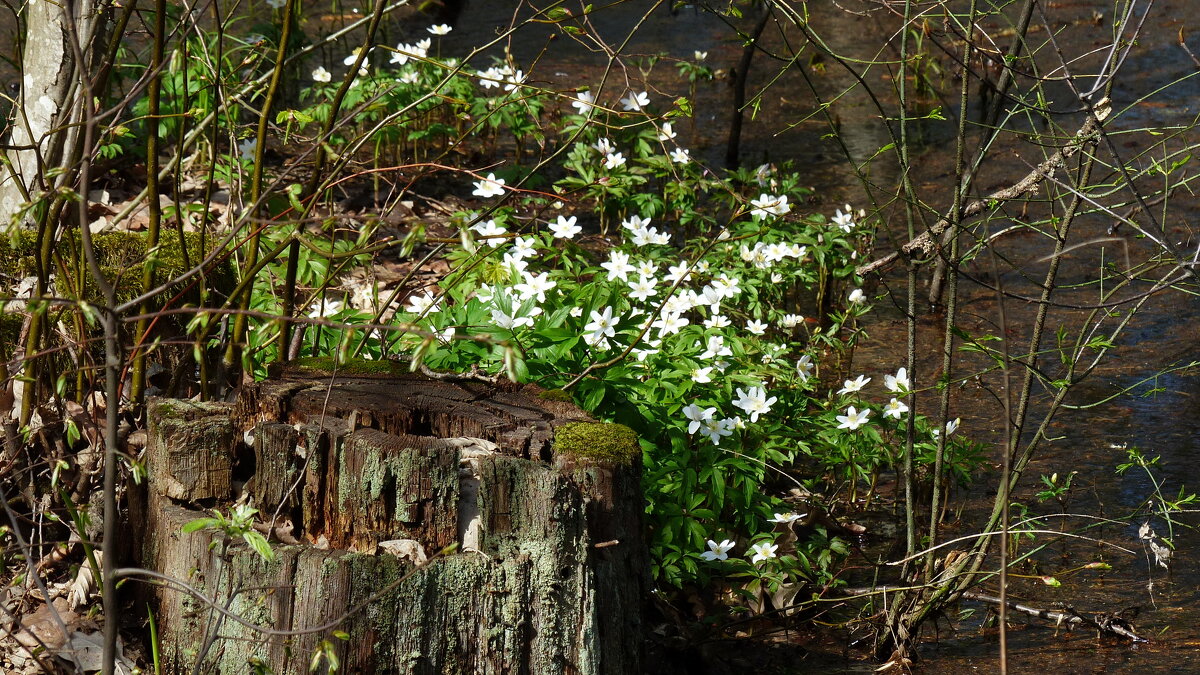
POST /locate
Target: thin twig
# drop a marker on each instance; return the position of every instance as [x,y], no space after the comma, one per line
[924,244]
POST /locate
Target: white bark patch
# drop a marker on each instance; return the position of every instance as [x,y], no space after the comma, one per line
[407,549]
[49,83]
[46,107]
[470,524]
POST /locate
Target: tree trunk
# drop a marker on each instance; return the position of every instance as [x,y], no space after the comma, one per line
[45,132]
[368,477]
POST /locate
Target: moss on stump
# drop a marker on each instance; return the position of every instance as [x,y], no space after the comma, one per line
[602,441]
[556,395]
[354,367]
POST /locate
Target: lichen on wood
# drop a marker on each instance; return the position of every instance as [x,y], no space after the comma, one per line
[421,465]
[191,448]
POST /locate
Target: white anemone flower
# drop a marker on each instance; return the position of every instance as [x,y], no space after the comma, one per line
[678,273]
[247,148]
[895,408]
[769,205]
[602,326]
[325,308]
[754,401]
[697,416]
[618,266]
[790,320]
[853,419]
[951,427]
[669,324]
[717,321]
[613,160]
[787,518]
[584,102]
[514,80]
[510,322]
[489,187]
[715,429]
[523,247]
[635,102]
[762,551]
[425,303]
[718,551]
[716,348]
[642,289]
[851,386]
[349,60]
[804,367]
[536,286]
[845,220]
[565,228]
[898,383]
[491,232]
[488,78]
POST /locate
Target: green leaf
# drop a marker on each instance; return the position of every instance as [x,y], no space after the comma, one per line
[199,524]
[259,544]
[298,116]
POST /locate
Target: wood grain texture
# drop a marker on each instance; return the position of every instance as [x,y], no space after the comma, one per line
[381,459]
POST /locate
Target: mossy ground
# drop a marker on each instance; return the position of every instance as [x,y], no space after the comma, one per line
[10,331]
[121,256]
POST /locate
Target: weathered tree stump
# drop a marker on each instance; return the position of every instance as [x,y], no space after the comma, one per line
[357,477]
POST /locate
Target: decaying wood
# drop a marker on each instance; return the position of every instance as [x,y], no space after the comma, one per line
[196,464]
[370,476]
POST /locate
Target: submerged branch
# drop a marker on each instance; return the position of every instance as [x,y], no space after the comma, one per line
[1110,623]
[923,245]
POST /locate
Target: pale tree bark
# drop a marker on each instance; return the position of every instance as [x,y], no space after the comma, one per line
[46,131]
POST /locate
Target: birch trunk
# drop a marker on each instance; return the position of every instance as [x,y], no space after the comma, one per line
[45,135]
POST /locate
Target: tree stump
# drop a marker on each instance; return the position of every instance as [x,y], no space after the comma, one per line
[358,477]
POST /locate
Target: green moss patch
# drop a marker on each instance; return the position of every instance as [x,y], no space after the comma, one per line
[121,256]
[597,440]
[10,331]
[555,395]
[328,364]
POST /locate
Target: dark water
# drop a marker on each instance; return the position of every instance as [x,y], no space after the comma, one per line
[1157,88]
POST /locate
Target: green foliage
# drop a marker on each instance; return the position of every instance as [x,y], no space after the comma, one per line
[238,524]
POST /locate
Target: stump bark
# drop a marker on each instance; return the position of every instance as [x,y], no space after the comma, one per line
[357,478]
